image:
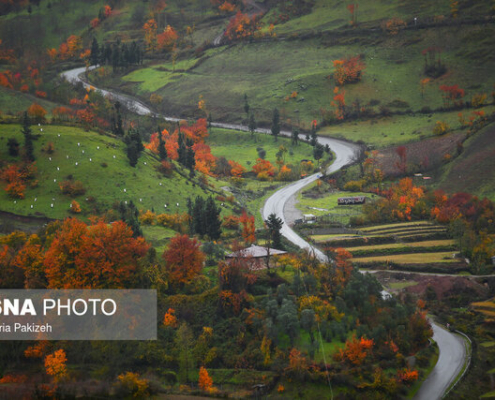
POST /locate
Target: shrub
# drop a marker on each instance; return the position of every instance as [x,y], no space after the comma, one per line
[72,188]
[441,127]
[355,186]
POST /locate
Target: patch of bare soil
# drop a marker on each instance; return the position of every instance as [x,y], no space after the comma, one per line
[421,156]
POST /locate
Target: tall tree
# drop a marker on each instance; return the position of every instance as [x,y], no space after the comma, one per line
[274,225]
[246,105]
[295,136]
[252,124]
[95,53]
[212,218]
[118,129]
[162,151]
[184,259]
[28,138]
[13,146]
[276,123]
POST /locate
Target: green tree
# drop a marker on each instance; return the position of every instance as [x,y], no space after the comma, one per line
[318,151]
[308,322]
[184,342]
[252,124]
[13,146]
[95,52]
[295,136]
[274,225]
[246,105]
[28,137]
[276,123]
[118,129]
[212,219]
[162,151]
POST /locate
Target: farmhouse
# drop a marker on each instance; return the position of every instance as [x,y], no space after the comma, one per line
[258,256]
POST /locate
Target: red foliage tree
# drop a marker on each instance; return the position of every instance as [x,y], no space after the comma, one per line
[452,95]
[184,259]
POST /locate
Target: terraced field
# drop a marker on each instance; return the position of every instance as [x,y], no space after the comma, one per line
[419,245]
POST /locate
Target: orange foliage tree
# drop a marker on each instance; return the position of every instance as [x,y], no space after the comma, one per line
[150,28]
[248,228]
[237,170]
[263,169]
[339,103]
[184,259]
[356,350]
[348,70]
[242,26]
[167,39]
[99,256]
[169,319]
[55,365]
[36,112]
[205,382]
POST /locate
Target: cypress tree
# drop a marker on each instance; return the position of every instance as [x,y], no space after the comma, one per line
[274,225]
[212,217]
[119,129]
[162,151]
[199,216]
[252,124]
[13,146]
[28,138]
[276,123]
[95,52]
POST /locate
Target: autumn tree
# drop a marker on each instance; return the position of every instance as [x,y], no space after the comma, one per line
[339,103]
[348,70]
[150,39]
[452,95]
[248,228]
[401,165]
[184,259]
[97,256]
[353,10]
[55,365]
[205,382]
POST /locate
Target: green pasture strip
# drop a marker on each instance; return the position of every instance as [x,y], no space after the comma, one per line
[413,258]
[396,225]
[427,243]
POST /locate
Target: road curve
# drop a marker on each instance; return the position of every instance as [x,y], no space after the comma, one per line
[452,347]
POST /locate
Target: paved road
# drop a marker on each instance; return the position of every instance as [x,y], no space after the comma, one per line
[449,365]
[452,349]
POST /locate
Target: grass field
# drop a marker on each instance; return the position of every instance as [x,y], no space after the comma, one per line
[311,202]
[116,181]
[242,147]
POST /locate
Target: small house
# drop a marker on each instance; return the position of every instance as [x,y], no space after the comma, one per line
[257,256]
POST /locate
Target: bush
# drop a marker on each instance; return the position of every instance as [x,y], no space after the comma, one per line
[355,186]
[72,188]
[441,127]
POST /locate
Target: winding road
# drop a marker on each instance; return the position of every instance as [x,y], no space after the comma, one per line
[452,347]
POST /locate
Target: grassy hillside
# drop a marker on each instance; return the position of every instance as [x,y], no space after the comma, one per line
[102,167]
[269,72]
[473,170]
